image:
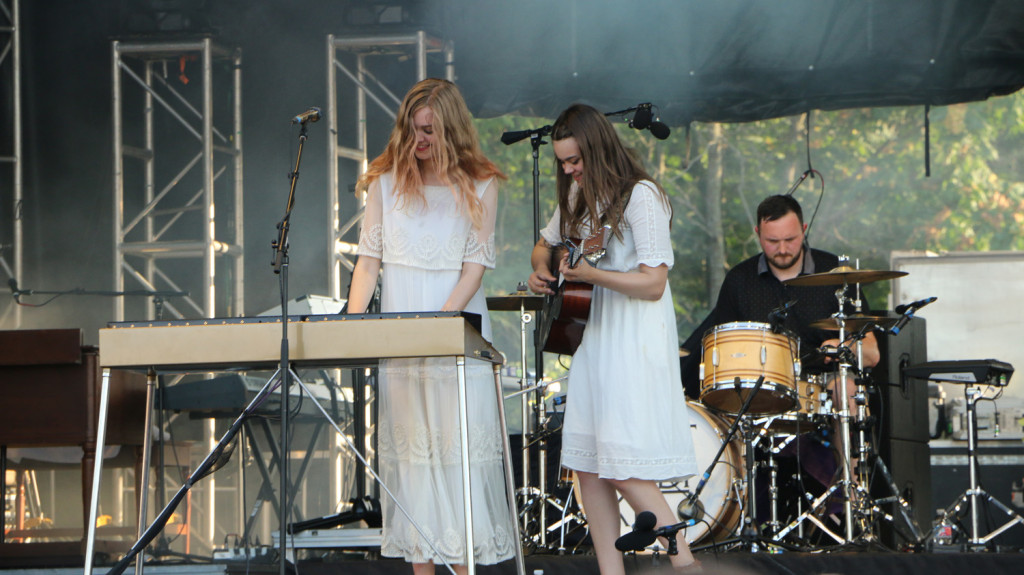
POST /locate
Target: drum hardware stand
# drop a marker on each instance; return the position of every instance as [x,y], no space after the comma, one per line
[537,498]
[692,509]
[870,462]
[974,491]
[773,485]
[846,481]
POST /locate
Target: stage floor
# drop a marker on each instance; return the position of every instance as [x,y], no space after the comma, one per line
[729,563]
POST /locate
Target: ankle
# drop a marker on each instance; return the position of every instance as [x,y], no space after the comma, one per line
[694,568]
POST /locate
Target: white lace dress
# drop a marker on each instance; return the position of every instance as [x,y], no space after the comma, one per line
[422,249]
[625,414]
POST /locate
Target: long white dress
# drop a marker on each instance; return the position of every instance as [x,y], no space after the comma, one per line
[422,249]
[626,414]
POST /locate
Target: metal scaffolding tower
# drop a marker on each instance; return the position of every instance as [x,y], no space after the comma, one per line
[11,240]
[166,236]
[391,48]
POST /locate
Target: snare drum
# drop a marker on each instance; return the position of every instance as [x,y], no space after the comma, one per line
[736,355]
[722,495]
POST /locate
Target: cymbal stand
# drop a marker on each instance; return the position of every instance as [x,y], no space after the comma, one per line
[846,481]
[974,491]
[869,507]
[844,419]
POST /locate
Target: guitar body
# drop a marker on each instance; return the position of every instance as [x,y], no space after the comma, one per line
[565,313]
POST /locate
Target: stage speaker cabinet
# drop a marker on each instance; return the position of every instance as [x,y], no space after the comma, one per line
[899,406]
[1000,466]
[910,469]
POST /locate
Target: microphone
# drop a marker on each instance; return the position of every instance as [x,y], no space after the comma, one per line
[907,313]
[509,138]
[659,130]
[642,117]
[914,306]
[778,316]
[15,292]
[690,508]
[310,115]
[643,533]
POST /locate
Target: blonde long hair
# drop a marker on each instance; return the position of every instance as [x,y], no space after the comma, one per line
[456,151]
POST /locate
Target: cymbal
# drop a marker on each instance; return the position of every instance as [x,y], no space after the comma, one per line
[843,275]
[856,321]
[683,352]
[515,302]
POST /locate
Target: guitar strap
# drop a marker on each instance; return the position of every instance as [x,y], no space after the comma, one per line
[619,209]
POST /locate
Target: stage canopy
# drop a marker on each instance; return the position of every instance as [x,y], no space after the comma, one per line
[729,60]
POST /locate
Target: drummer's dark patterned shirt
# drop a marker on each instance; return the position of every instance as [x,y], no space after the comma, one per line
[751,291]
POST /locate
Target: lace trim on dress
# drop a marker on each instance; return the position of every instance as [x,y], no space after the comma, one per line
[478,252]
[624,461]
[371,241]
[419,445]
[451,545]
[430,251]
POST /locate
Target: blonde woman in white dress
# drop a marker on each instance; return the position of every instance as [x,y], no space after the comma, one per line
[429,231]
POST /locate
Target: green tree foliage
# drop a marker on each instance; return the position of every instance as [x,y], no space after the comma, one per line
[868,197]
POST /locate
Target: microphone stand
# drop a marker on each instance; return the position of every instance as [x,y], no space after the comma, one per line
[536,141]
[280,265]
[692,501]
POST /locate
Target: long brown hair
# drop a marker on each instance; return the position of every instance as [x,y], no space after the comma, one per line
[609,172]
[456,150]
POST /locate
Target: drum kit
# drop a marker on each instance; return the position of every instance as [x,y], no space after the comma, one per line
[755,402]
[751,374]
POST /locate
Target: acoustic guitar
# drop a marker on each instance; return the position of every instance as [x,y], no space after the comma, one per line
[566,312]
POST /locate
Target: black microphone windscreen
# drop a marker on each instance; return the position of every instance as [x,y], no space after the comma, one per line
[641,536]
[513,137]
[642,117]
[635,540]
[645,521]
[660,130]
[14,285]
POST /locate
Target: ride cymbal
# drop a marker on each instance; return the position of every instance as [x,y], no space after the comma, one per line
[843,275]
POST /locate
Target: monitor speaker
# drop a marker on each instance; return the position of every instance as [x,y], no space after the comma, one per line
[900,404]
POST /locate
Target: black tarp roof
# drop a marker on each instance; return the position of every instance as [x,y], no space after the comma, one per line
[730,60]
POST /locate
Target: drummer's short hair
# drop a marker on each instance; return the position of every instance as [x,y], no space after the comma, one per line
[777,206]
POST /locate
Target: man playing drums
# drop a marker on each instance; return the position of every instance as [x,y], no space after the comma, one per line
[753,291]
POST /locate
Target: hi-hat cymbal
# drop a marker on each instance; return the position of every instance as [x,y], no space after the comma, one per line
[515,302]
[843,275]
[856,321]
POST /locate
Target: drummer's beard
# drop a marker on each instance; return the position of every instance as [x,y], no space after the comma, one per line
[786,261]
